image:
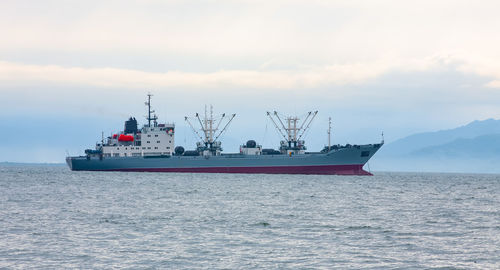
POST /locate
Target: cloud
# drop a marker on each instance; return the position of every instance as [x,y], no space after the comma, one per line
[311,77]
[314,29]
[482,67]
[260,79]
[305,77]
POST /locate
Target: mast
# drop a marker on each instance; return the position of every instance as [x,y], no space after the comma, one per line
[211,127]
[149,109]
[292,129]
[154,117]
[329,133]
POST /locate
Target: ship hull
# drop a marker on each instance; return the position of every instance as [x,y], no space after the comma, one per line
[345,161]
[322,169]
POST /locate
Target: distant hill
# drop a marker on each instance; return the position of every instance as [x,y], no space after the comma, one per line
[474,147]
[416,142]
[485,146]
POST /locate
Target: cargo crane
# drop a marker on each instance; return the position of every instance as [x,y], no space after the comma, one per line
[292,133]
[208,144]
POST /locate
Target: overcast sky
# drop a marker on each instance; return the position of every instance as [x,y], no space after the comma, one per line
[393,66]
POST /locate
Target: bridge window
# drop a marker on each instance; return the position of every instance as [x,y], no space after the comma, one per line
[365,153]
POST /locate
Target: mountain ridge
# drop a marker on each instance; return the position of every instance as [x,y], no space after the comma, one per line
[417,141]
[484,146]
[471,148]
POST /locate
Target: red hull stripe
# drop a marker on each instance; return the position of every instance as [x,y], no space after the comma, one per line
[319,169]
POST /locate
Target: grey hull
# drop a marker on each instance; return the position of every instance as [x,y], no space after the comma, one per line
[349,160]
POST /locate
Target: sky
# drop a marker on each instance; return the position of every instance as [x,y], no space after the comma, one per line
[70,70]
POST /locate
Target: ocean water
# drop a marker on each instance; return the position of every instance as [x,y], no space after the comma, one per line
[51,217]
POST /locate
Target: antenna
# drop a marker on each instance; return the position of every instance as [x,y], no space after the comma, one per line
[382,137]
[149,118]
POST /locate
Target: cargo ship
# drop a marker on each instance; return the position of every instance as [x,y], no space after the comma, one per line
[151,149]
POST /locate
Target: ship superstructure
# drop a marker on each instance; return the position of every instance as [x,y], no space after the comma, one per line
[153,139]
[151,149]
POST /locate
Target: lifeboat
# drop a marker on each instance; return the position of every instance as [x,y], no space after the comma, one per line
[125,138]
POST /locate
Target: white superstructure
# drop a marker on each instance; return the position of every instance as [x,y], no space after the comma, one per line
[152,139]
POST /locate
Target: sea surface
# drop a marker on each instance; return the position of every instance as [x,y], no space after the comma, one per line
[51,218]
